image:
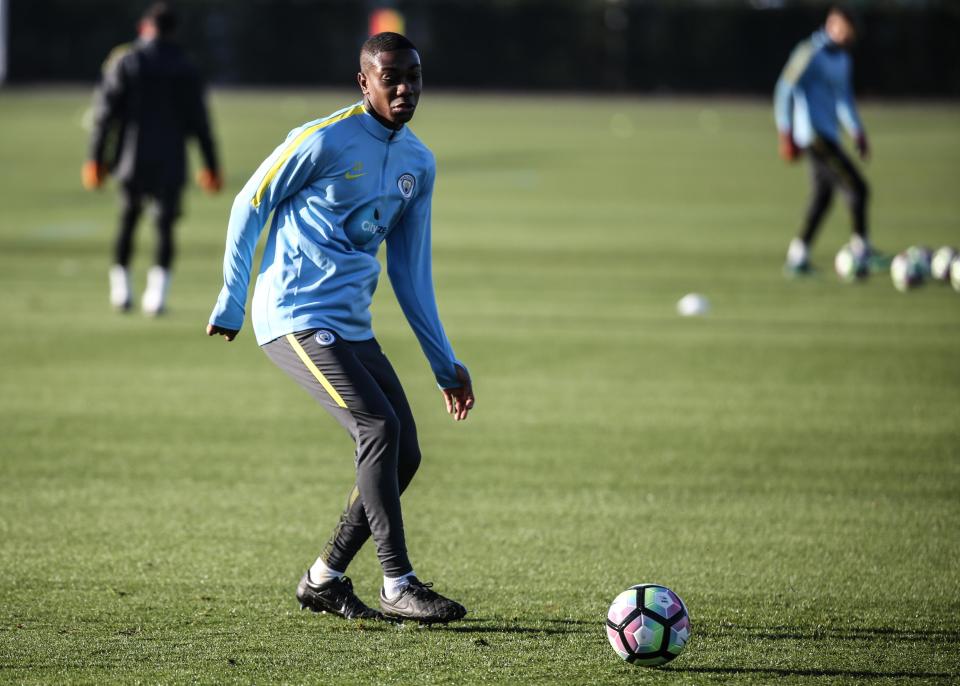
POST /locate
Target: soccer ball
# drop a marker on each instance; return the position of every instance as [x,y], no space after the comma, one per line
[940,263]
[648,625]
[906,272]
[955,274]
[850,265]
[693,305]
[922,257]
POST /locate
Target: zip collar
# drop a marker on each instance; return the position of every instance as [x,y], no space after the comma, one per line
[378,130]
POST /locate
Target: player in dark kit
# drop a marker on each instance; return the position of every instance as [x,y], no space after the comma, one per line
[813,97]
[338,188]
[149,102]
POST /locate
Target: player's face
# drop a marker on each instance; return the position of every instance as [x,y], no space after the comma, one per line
[391,85]
[147,30]
[840,30]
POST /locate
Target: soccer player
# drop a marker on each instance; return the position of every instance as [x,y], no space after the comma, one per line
[149,101]
[813,97]
[338,187]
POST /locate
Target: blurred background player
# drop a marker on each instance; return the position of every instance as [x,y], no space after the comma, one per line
[148,103]
[813,97]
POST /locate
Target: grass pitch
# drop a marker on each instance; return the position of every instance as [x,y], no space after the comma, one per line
[789,464]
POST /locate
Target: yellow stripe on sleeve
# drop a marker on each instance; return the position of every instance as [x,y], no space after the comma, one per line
[799,61]
[290,149]
[302,354]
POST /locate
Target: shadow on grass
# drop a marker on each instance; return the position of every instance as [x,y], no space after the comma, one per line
[479,625]
[470,625]
[794,633]
[849,673]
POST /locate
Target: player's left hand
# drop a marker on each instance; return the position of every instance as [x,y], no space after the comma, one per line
[460,400]
[863,147]
[229,334]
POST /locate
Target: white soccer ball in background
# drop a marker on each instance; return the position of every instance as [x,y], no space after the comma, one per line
[906,272]
[850,265]
[955,274]
[693,305]
[940,263]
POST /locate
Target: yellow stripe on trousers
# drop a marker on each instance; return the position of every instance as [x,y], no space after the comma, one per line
[290,149]
[302,354]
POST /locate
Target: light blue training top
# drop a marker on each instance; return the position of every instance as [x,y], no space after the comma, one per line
[338,187]
[815,91]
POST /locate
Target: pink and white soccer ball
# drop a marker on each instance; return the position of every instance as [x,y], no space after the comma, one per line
[940,263]
[906,271]
[851,265]
[921,256]
[648,625]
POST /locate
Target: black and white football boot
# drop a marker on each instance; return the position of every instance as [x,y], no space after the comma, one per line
[418,602]
[335,596]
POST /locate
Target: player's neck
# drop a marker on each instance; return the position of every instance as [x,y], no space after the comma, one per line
[386,123]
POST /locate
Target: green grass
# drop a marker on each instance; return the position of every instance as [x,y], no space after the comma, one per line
[789,464]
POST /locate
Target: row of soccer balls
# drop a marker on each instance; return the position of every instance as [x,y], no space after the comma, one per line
[908,269]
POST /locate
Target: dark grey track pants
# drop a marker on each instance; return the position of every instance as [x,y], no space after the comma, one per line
[831,168]
[355,382]
[167,210]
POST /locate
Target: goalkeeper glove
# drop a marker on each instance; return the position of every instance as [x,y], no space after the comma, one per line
[93,174]
[209,180]
[788,148]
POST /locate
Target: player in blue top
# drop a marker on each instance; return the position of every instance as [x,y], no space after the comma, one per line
[338,187]
[813,98]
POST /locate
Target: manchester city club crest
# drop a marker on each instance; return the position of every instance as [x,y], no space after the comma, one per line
[324,337]
[406,184]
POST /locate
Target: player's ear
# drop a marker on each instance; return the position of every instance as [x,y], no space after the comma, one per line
[362,82]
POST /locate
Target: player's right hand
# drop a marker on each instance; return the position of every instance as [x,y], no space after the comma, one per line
[92,174]
[863,146]
[228,334]
[789,151]
[460,400]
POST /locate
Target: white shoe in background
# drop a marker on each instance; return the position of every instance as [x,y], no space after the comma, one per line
[155,296]
[798,259]
[120,295]
[860,247]
[797,253]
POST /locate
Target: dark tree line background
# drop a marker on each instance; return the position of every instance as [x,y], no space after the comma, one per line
[593,45]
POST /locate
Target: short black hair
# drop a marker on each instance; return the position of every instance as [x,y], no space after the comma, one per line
[388,41]
[844,12]
[163,16]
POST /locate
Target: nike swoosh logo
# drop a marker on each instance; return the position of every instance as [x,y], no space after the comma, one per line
[351,177]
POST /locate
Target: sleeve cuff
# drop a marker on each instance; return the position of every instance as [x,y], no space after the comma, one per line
[450,380]
[226,322]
